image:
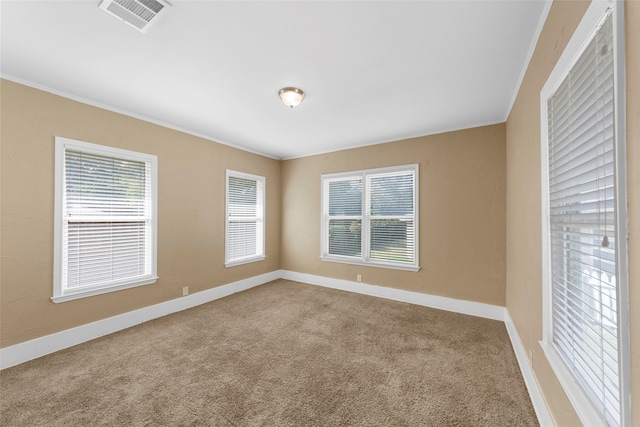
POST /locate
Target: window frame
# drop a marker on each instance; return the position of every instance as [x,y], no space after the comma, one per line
[260,234]
[365,218]
[60,292]
[586,410]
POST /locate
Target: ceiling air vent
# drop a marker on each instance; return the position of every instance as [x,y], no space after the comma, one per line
[139,14]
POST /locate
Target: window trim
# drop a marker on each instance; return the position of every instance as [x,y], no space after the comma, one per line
[582,404]
[254,258]
[61,145]
[324,236]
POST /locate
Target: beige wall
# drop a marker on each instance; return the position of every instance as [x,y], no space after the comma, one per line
[191,180]
[462,213]
[466,251]
[524,290]
[462,205]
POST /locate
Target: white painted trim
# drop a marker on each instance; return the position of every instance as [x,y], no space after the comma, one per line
[622,220]
[539,404]
[365,217]
[589,415]
[60,291]
[433,131]
[84,293]
[579,399]
[442,303]
[242,261]
[532,49]
[29,350]
[405,137]
[260,219]
[127,113]
[449,304]
[358,261]
[23,352]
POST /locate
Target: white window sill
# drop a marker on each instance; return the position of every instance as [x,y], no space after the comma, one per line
[394,266]
[247,260]
[83,293]
[587,413]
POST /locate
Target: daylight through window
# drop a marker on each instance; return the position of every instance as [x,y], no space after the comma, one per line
[584,245]
[245,218]
[105,219]
[370,217]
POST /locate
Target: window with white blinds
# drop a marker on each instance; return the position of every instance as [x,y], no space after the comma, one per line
[583,236]
[105,219]
[370,217]
[245,218]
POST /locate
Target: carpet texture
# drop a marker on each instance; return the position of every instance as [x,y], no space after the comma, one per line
[281,354]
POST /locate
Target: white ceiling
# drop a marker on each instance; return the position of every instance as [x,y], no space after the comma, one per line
[372,71]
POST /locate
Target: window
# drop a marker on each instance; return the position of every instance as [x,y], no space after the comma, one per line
[245,218]
[585,272]
[370,217]
[105,219]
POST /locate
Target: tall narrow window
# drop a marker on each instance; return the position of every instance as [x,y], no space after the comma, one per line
[105,219]
[585,335]
[370,217]
[245,218]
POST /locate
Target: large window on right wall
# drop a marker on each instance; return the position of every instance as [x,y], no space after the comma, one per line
[585,274]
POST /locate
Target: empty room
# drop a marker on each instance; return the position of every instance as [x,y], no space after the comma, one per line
[320,213]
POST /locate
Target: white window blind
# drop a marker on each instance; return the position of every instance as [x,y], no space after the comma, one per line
[106,230]
[582,224]
[344,219]
[245,218]
[370,217]
[392,216]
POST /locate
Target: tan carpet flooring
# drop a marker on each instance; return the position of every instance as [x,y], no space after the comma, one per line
[282,354]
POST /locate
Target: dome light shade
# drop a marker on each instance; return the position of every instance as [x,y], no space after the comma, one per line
[291,96]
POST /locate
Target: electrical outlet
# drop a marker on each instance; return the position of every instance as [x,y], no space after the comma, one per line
[359,277]
[185,291]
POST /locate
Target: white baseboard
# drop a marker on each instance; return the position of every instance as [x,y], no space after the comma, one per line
[443,303]
[19,353]
[449,304]
[28,350]
[539,405]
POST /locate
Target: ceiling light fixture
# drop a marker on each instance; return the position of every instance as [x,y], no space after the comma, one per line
[291,96]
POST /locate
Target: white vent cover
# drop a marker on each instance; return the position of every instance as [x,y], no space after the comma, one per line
[140,14]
